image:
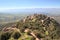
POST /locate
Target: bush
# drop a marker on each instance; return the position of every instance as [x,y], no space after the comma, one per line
[16,35]
[5,36]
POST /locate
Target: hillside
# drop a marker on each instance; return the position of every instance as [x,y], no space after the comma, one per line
[33,27]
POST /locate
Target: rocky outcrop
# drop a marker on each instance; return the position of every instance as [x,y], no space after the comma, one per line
[35,27]
[40,24]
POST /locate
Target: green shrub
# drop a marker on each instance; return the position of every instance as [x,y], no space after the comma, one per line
[5,36]
[16,35]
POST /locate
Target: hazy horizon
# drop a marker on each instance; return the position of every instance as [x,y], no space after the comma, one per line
[28,4]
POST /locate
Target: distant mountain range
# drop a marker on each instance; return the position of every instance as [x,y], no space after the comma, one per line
[50,11]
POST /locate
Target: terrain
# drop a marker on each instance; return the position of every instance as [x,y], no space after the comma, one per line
[13,15]
[30,24]
[33,27]
[7,19]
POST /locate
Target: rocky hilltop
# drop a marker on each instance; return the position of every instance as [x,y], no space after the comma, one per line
[33,27]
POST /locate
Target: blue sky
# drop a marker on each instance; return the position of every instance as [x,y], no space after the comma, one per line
[20,4]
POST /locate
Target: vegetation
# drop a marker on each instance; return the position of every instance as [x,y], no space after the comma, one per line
[33,27]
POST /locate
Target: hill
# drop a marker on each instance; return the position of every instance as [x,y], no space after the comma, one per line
[33,27]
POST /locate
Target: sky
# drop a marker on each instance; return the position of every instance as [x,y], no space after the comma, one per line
[22,4]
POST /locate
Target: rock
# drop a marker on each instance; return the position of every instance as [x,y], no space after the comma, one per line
[38,26]
[42,23]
